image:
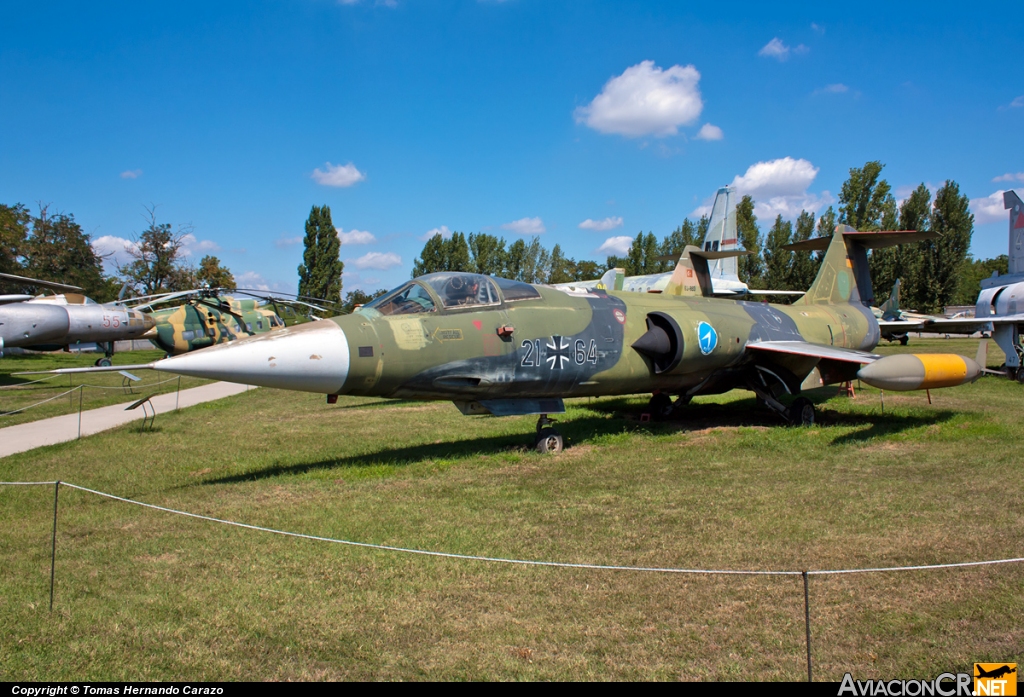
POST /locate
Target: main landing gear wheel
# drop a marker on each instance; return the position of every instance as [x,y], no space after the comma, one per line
[103,363]
[801,412]
[548,440]
[660,406]
[904,340]
[1020,375]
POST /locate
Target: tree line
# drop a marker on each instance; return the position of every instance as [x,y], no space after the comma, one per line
[53,247]
[933,274]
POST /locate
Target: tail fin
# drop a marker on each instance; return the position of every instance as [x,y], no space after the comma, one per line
[612,279]
[692,275]
[891,307]
[1013,203]
[721,235]
[844,276]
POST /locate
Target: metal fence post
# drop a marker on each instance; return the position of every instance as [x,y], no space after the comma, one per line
[53,541]
[81,388]
[807,625]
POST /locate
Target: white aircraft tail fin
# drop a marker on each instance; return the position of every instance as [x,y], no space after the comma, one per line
[721,235]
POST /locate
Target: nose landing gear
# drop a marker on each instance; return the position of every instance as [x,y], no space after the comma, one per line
[548,440]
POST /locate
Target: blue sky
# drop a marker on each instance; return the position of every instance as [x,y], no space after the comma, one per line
[583,122]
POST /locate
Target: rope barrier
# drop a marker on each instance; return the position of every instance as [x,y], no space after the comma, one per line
[138,386]
[50,399]
[25,384]
[135,385]
[529,562]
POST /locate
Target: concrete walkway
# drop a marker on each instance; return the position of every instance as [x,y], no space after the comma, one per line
[18,439]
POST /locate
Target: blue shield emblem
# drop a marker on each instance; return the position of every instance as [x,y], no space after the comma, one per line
[707,338]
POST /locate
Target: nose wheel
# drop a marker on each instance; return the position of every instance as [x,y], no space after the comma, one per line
[548,440]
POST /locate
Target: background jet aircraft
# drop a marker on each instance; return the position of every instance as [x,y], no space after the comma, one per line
[1000,305]
[720,237]
[896,324]
[54,322]
[504,347]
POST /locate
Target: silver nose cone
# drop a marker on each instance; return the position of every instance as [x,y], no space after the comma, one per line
[310,357]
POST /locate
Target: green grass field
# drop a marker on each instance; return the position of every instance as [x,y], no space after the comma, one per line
[25,398]
[146,595]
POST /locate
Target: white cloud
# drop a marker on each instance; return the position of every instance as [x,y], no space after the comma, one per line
[115,251]
[837,88]
[617,246]
[1010,177]
[779,187]
[789,207]
[285,242]
[645,101]
[817,28]
[131,174]
[989,209]
[525,226]
[601,225]
[1018,102]
[443,231]
[190,243]
[356,237]
[380,261]
[251,279]
[710,132]
[782,177]
[338,175]
[775,49]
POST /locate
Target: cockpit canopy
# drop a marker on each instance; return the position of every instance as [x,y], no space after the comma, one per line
[451,291]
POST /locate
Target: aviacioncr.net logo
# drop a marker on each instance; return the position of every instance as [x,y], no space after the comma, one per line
[945,685]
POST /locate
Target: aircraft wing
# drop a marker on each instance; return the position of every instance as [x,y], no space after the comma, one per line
[802,348]
[901,325]
[966,325]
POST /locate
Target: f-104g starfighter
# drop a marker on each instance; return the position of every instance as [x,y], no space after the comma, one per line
[502,347]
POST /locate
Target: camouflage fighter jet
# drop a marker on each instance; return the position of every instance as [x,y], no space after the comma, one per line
[495,346]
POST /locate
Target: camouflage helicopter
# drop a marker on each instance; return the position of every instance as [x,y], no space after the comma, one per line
[502,347]
[208,316]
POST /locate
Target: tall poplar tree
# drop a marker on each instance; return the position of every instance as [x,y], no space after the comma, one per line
[945,257]
[321,267]
[777,260]
[804,267]
[865,200]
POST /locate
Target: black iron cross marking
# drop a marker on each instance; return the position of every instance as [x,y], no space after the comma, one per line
[558,352]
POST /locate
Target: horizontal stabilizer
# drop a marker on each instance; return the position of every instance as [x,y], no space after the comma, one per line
[727,254]
[868,240]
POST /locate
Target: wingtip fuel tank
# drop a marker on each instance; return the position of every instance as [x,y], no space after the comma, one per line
[911,371]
